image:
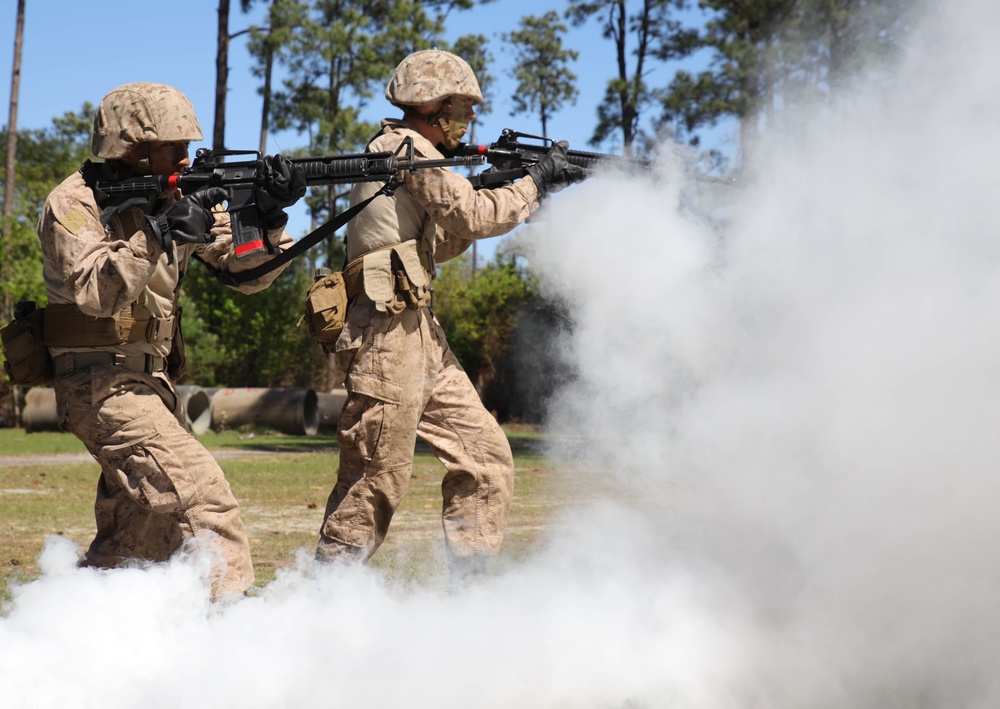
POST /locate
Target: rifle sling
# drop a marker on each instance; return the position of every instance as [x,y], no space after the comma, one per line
[300,246]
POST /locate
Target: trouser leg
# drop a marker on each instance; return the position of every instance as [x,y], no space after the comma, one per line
[376,433]
[376,463]
[404,381]
[479,481]
[128,530]
[159,487]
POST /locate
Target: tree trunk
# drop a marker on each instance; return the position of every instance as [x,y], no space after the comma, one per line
[266,110]
[10,413]
[621,35]
[8,193]
[221,76]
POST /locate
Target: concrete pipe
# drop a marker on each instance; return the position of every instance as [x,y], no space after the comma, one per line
[39,412]
[291,411]
[210,391]
[40,409]
[197,408]
[330,405]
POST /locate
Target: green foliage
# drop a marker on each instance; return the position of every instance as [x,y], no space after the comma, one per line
[503,333]
[544,82]
[23,278]
[455,313]
[206,354]
[45,157]
[478,313]
[241,340]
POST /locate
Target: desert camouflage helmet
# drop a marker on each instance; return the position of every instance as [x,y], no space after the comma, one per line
[141,112]
[432,75]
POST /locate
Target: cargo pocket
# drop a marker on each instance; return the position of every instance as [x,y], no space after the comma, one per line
[136,457]
[359,320]
[369,411]
[141,476]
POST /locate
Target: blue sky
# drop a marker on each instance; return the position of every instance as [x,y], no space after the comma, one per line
[75,53]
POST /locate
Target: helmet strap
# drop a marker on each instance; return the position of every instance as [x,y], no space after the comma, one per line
[143,166]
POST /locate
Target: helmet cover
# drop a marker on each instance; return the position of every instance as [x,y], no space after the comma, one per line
[432,75]
[141,112]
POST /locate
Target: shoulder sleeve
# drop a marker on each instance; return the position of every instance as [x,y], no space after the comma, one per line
[99,272]
[466,213]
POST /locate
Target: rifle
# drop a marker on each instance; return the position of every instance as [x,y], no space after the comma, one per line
[241,179]
[510,160]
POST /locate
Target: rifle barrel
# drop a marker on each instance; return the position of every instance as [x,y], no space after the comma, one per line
[521,155]
[369,167]
[527,154]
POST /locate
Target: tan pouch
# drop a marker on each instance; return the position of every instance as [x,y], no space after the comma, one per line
[377,278]
[326,308]
[27,359]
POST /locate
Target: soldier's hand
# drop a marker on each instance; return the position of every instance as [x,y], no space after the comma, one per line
[554,171]
[190,220]
[283,185]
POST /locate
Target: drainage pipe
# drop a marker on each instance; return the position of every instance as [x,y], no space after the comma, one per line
[292,411]
[197,408]
[39,413]
[330,405]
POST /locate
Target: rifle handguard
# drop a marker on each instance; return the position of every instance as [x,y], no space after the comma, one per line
[509,156]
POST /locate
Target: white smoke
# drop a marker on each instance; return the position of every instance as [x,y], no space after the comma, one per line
[789,433]
[809,405]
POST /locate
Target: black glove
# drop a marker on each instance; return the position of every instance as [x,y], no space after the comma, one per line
[283,185]
[188,221]
[554,171]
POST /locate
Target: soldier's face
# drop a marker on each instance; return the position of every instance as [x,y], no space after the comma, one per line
[160,157]
[169,157]
[456,115]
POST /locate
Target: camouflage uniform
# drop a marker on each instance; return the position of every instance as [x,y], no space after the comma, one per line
[403,380]
[159,487]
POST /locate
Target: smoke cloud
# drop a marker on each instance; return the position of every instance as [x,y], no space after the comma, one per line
[806,406]
[785,430]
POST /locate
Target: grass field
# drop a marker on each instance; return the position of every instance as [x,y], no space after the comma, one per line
[47,484]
